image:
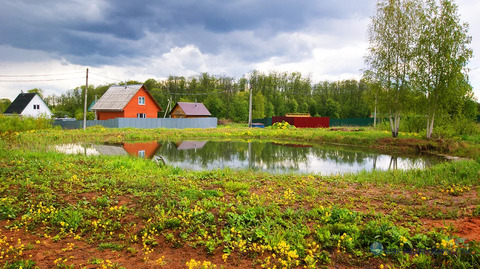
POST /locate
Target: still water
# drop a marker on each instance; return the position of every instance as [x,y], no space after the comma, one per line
[264,156]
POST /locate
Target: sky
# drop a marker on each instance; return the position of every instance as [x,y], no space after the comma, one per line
[49,44]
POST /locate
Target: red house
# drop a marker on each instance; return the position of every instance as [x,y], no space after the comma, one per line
[127,101]
[142,149]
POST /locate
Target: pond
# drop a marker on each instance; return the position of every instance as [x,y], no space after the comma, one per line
[270,157]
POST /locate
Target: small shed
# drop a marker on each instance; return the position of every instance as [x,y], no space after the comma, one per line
[126,101]
[189,110]
[29,104]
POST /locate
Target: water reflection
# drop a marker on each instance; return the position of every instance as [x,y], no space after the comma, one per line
[264,156]
[141,149]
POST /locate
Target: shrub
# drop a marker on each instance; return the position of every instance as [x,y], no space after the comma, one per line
[21,124]
[282,125]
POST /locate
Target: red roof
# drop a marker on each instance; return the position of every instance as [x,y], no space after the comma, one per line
[193,109]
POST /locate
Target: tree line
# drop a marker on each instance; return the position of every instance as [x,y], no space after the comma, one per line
[273,94]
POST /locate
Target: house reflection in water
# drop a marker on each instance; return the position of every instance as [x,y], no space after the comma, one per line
[184,145]
[109,150]
[140,149]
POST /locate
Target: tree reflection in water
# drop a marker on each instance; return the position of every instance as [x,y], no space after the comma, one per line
[265,156]
[283,158]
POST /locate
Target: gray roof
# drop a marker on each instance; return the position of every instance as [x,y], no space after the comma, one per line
[110,150]
[193,109]
[19,104]
[191,145]
[116,97]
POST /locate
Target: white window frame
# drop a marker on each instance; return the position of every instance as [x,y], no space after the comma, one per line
[141,115]
[36,107]
[141,100]
[141,153]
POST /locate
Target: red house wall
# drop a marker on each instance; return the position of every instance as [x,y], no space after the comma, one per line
[103,115]
[150,148]
[150,108]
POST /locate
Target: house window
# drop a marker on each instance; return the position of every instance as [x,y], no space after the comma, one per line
[141,153]
[141,115]
[141,100]
[36,106]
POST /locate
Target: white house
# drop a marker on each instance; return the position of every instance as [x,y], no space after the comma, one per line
[29,104]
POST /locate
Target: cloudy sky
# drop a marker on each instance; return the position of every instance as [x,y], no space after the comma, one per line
[49,44]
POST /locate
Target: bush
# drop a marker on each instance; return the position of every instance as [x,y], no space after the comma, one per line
[21,124]
[444,127]
[454,127]
[282,125]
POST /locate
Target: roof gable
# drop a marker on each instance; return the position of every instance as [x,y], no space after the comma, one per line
[117,97]
[20,103]
[193,109]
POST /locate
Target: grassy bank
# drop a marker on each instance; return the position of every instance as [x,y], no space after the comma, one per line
[465,146]
[69,211]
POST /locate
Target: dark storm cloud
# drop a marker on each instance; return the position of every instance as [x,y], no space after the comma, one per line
[96,32]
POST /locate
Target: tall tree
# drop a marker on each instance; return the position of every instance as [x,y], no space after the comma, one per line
[4,103]
[393,31]
[442,55]
[37,90]
[258,111]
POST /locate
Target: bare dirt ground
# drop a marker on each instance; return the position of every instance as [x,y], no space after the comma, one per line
[70,252]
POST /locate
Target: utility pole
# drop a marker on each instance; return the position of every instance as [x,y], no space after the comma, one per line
[95,109]
[250,106]
[375,114]
[85,107]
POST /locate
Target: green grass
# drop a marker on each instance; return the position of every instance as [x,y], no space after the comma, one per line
[134,205]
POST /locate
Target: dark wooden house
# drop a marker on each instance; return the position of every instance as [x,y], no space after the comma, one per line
[189,110]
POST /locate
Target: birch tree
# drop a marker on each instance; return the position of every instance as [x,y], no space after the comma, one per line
[442,56]
[392,35]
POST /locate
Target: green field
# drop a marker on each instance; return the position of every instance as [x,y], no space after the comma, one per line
[73,211]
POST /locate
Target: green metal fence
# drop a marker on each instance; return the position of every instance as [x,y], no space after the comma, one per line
[360,122]
[264,121]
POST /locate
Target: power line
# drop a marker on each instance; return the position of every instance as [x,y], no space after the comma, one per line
[100,80]
[106,76]
[45,75]
[206,93]
[40,80]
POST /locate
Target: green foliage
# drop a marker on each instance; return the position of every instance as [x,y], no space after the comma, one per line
[258,103]
[282,125]
[9,208]
[215,105]
[24,264]
[442,54]
[240,107]
[70,218]
[111,246]
[4,104]
[79,115]
[416,64]
[332,109]
[12,124]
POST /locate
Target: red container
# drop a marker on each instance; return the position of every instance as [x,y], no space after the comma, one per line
[312,122]
[290,120]
[304,122]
